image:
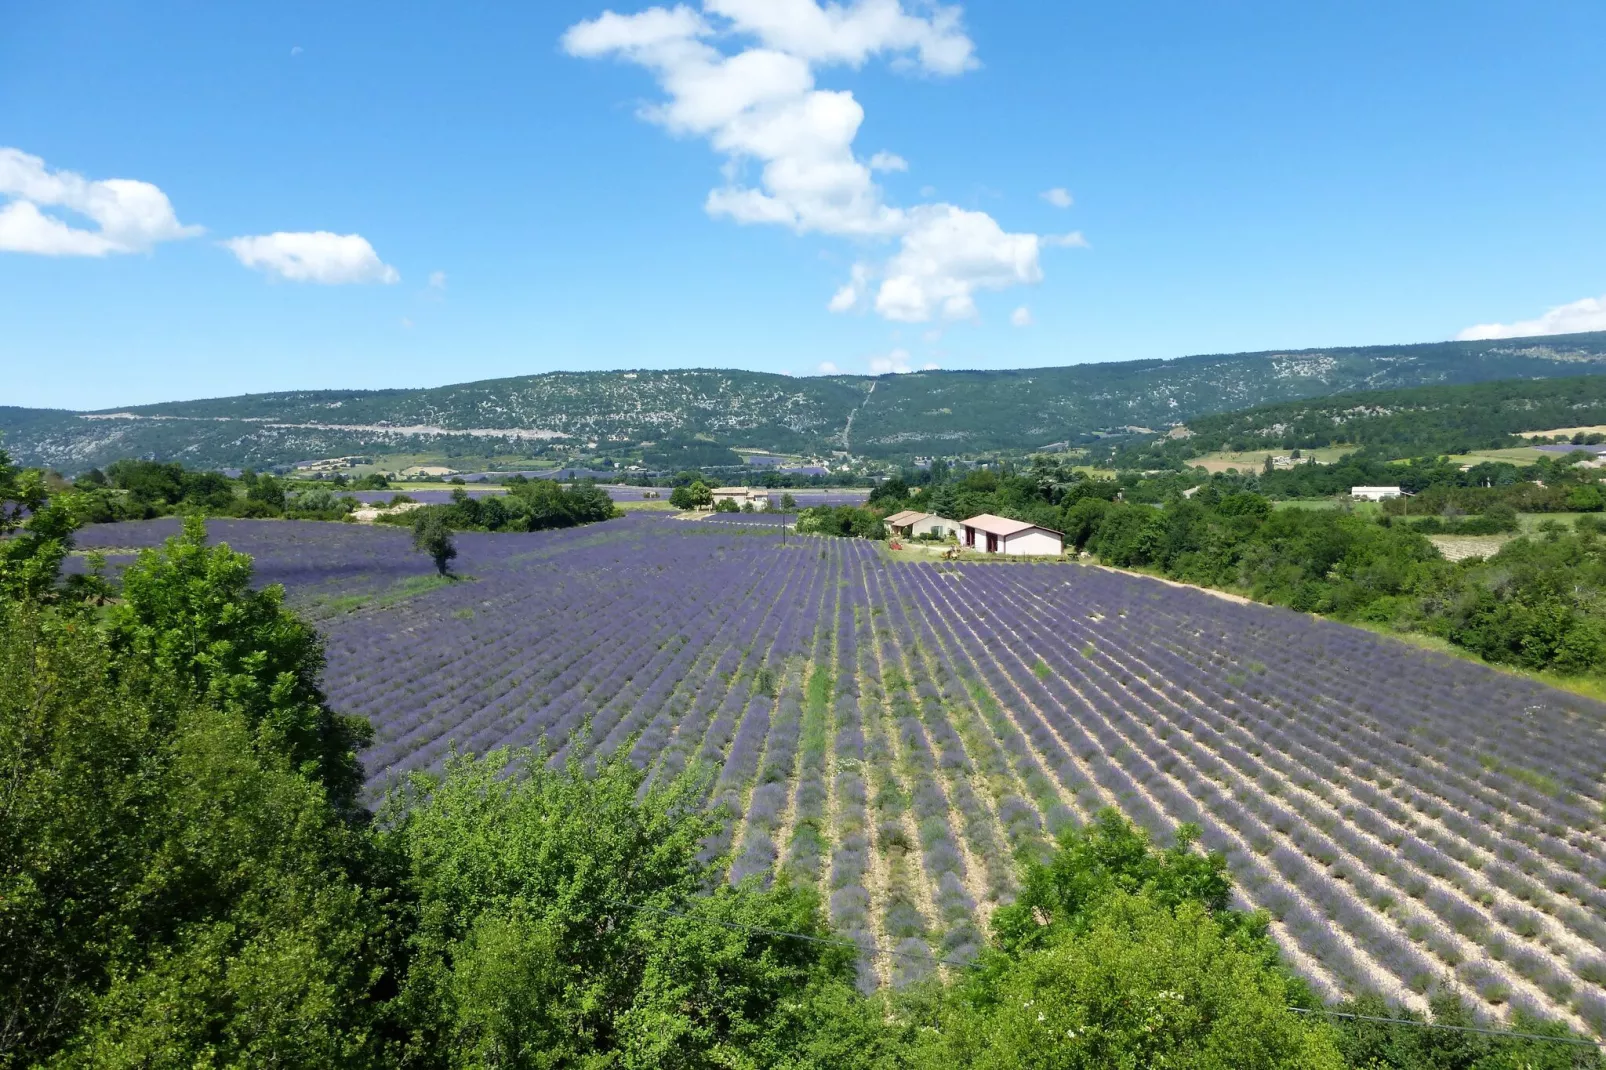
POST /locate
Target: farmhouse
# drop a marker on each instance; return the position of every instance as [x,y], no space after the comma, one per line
[758,498]
[996,535]
[912,522]
[1374,494]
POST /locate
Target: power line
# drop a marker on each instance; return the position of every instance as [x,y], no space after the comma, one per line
[1451,1028]
[874,950]
[738,927]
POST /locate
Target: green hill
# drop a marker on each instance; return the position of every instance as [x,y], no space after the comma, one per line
[1409,422]
[938,412]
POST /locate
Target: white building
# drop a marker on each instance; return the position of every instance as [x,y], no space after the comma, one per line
[1374,494]
[757,498]
[912,523]
[996,535]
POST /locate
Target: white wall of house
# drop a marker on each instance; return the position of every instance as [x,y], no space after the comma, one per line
[936,526]
[1374,494]
[1032,541]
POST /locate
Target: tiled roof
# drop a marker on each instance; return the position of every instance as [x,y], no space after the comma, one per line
[1001,526]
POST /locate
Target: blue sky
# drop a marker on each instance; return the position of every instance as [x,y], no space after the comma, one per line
[370,195]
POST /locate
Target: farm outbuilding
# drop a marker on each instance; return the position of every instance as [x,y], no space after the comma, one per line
[1374,494]
[1000,535]
[911,523]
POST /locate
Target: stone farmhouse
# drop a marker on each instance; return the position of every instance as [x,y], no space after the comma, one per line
[912,522]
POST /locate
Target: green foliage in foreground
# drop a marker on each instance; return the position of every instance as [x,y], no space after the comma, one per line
[186,881]
[182,878]
[547,927]
[35,533]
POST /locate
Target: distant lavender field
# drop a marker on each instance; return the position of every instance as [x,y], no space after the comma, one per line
[617,492]
[900,732]
[428,497]
[807,498]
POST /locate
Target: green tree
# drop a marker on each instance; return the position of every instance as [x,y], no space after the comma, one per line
[432,536]
[1116,954]
[843,521]
[1585,498]
[189,609]
[267,490]
[1097,860]
[702,496]
[890,492]
[35,532]
[1139,984]
[177,886]
[559,923]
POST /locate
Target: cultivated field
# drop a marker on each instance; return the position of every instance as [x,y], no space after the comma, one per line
[1252,460]
[899,731]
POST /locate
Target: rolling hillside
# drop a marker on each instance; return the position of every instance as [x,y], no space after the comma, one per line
[947,412]
[1412,421]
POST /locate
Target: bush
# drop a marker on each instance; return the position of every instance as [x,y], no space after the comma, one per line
[844,521]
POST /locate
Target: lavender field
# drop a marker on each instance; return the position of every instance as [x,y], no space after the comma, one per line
[900,732]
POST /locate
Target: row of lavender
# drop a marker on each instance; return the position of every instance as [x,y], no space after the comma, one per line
[902,732]
[1429,824]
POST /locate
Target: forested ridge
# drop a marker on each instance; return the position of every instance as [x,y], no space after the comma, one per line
[1409,422]
[187,879]
[926,412]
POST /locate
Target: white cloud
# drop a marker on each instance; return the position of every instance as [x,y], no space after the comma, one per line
[854,32]
[313,256]
[853,291]
[896,362]
[1021,317]
[930,367]
[932,336]
[1073,240]
[1059,197]
[948,254]
[295,50]
[759,105]
[828,368]
[1575,318]
[437,280]
[129,216]
[407,324]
